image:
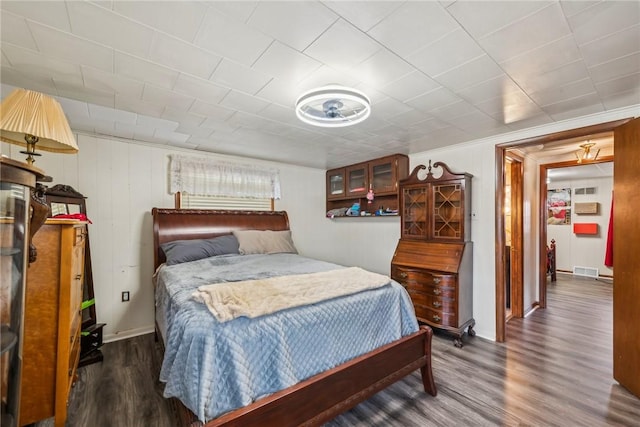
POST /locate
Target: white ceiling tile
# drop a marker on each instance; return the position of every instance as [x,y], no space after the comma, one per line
[211,111]
[617,68]
[565,92]
[433,99]
[97,112]
[342,55]
[177,54]
[621,84]
[481,18]
[166,97]
[235,75]
[138,105]
[445,53]
[195,132]
[622,99]
[122,133]
[280,92]
[178,18]
[154,122]
[581,108]
[109,82]
[603,19]
[381,68]
[413,25]
[560,58]
[242,102]
[230,38]
[427,126]
[91,96]
[572,7]
[489,89]
[408,118]
[471,73]
[324,76]
[531,121]
[388,107]
[145,71]
[537,29]
[13,29]
[72,107]
[510,107]
[200,88]
[299,66]
[64,46]
[184,118]
[171,137]
[363,15]
[568,106]
[452,112]
[281,114]
[296,24]
[239,10]
[37,64]
[622,43]
[410,86]
[50,13]
[139,132]
[103,26]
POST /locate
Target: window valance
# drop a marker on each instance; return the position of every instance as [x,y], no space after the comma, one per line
[209,177]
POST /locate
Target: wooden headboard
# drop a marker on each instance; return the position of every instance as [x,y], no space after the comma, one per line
[187,224]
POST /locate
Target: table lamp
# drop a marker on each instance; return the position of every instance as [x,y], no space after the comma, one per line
[28,118]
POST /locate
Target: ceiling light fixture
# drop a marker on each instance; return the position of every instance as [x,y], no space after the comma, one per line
[333,106]
[586,154]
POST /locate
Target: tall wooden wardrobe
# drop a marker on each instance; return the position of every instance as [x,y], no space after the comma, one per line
[434,257]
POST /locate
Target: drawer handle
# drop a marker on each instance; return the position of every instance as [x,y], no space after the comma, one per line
[436,318]
[403,275]
[436,304]
[78,276]
[70,371]
[437,291]
[437,280]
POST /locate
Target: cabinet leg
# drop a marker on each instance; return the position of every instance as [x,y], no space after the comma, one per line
[471,332]
[458,342]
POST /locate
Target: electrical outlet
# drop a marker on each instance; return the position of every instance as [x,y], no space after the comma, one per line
[125,296]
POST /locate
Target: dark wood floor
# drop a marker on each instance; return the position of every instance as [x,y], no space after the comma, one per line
[555,369]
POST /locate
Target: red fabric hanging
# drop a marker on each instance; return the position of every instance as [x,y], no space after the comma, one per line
[608,256]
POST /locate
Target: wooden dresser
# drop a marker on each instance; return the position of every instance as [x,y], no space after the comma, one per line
[434,257]
[52,321]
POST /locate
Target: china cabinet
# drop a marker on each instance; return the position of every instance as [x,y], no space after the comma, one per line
[433,259]
[373,184]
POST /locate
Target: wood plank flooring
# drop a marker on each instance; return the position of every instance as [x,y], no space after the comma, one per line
[554,370]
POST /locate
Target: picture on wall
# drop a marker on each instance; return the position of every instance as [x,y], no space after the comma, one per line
[559,206]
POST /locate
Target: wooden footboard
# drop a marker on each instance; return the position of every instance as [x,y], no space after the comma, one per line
[326,395]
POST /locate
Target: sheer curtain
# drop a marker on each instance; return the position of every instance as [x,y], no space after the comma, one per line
[208,177]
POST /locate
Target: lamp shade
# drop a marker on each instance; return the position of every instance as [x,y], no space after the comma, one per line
[25,114]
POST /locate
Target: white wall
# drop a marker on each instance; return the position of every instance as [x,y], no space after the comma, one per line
[124,180]
[583,250]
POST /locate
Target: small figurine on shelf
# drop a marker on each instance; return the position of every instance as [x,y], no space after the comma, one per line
[370,195]
[354,210]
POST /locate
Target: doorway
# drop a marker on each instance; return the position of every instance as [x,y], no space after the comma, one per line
[512,211]
[501,153]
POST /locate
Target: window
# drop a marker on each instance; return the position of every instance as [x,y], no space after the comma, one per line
[190,201]
[203,183]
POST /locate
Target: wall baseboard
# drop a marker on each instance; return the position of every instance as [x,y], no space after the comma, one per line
[129,333]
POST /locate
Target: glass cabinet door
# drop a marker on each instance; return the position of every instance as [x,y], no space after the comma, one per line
[382,176]
[414,213]
[335,184]
[357,180]
[447,211]
[14,211]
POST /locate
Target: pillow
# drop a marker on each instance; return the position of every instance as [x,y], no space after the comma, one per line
[180,251]
[265,241]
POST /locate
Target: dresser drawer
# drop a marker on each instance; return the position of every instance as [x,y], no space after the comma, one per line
[435,302]
[405,275]
[435,316]
[80,234]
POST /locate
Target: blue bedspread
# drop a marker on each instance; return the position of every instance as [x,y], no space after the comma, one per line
[217,367]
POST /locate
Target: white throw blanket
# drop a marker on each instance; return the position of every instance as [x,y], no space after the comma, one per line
[253,298]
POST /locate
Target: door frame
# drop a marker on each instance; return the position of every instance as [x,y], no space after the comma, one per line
[516,257]
[500,154]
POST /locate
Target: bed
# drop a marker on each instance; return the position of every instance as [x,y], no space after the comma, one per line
[339,381]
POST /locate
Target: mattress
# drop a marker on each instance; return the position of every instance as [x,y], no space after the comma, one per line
[214,367]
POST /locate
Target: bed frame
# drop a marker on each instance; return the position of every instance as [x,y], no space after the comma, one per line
[322,397]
